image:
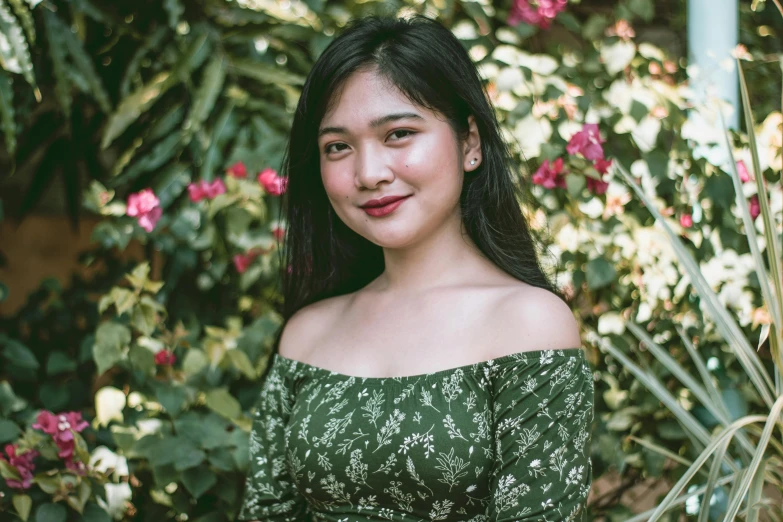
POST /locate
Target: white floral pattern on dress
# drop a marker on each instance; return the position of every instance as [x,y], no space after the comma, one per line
[502,440]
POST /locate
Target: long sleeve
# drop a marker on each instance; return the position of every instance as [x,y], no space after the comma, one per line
[270,492]
[542,417]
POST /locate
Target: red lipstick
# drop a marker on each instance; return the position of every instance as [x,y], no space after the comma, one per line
[383,206]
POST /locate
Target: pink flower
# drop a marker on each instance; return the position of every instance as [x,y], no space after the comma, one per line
[165,358]
[271,182]
[237,170]
[587,142]
[278,232]
[742,170]
[550,175]
[204,189]
[145,207]
[23,462]
[243,261]
[62,427]
[602,165]
[686,221]
[541,13]
[597,186]
[755,207]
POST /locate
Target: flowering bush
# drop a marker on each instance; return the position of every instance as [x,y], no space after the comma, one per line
[51,461]
[206,100]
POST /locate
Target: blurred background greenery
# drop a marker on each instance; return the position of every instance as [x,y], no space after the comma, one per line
[148,134]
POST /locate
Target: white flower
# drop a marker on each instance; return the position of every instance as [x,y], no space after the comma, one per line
[116,497]
[102,459]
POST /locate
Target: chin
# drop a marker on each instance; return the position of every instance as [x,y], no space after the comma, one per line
[390,237]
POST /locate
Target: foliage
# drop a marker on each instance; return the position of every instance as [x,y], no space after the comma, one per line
[177,115]
[754,462]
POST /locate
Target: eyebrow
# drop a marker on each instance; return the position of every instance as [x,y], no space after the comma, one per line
[377,122]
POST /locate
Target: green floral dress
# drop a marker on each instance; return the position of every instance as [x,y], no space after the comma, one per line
[500,440]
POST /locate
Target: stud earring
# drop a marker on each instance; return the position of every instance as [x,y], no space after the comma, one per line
[473,162]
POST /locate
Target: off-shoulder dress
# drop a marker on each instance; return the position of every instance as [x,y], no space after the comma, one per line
[506,439]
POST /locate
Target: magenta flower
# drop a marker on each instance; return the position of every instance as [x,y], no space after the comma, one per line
[587,142]
[742,170]
[539,13]
[62,427]
[278,232]
[597,186]
[165,358]
[23,462]
[271,182]
[243,261]
[602,165]
[145,207]
[237,170]
[755,207]
[550,175]
[204,189]
[686,221]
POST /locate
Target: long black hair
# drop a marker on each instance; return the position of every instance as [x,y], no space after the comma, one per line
[421,57]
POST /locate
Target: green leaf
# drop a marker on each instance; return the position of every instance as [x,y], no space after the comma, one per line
[223,403]
[25,17]
[175,10]
[213,150]
[95,513]
[142,359]
[50,513]
[241,362]
[264,72]
[84,64]
[9,402]
[56,39]
[111,340]
[9,431]
[131,107]
[222,459]
[179,451]
[644,9]
[173,398]
[22,504]
[20,355]
[195,361]
[209,431]
[14,51]
[211,85]
[59,362]
[198,480]
[599,273]
[7,112]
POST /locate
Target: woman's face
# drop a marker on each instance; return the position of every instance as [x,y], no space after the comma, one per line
[375,143]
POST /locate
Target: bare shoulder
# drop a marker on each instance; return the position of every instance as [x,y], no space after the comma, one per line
[305,327]
[530,319]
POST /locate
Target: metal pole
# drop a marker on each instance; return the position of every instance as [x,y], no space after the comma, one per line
[713,33]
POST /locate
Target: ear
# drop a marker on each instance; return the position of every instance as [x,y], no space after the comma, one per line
[471,147]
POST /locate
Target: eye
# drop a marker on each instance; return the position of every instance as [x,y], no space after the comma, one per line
[326,149]
[403,131]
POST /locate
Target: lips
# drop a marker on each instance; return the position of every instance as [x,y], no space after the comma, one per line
[374,203]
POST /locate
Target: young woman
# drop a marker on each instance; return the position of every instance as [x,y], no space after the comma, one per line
[427,369]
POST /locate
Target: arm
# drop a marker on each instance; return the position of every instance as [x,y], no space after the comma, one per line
[270,492]
[543,412]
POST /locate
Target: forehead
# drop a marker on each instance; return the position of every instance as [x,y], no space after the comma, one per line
[366,96]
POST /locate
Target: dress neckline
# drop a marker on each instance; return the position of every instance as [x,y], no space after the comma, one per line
[472,367]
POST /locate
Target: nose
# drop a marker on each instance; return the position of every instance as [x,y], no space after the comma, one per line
[371,168]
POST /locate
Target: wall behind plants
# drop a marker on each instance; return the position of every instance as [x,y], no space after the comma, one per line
[169,121]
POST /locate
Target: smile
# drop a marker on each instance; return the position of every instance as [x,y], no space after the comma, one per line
[386,209]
